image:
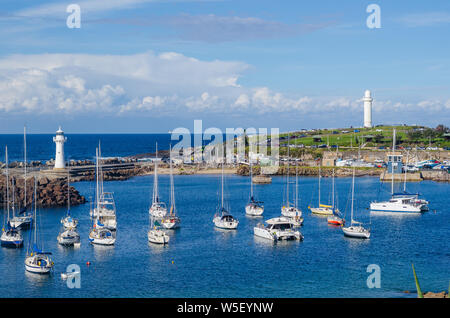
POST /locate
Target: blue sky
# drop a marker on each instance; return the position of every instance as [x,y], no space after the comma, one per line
[151,66]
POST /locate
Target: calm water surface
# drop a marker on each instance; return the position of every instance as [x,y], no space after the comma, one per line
[201,261]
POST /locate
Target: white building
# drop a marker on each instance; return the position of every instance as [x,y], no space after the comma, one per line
[367,109]
[59,140]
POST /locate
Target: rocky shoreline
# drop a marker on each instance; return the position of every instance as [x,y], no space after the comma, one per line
[50,193]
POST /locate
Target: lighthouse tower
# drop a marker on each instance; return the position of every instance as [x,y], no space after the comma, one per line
[367,109]
[59,140]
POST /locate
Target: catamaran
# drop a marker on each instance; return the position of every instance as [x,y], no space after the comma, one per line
[24,219]
[287,210]
[277,229]
[171,220]
[355,229]
[254,207]
[37,261]
[158,208]
[400,202]
[11,236]
[223,219]
[336,218]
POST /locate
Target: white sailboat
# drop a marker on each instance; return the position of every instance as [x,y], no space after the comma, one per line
[277,229]
[321,209]
[104,212]
[68,221]
[336,218]
[254,207]
[171,220]
[158,209]
[37,261]
[11,236]
[24,219]
[69,236]
[156,235]
[400,202]
[287,210]
[223,219]
[100,233]
[355,229]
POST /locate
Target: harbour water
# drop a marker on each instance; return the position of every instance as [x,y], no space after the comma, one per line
[201,261]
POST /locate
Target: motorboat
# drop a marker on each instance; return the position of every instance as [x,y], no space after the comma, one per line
[277,229]
[400,202]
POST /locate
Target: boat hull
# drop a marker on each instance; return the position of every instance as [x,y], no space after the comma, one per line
[33,267]
[291,212]
[402,208]
[157,237]
[321,211]
[254,210]
[226,225]
[171,223]
[11,243]
[356,232]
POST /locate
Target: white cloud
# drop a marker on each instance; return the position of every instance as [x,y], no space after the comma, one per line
[168,84]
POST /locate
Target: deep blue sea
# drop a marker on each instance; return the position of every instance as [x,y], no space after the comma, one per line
[201,261]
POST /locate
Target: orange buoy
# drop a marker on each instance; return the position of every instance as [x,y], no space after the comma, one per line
[88,263]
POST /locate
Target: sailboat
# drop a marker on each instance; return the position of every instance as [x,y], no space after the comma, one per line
[104,212]
[287,210]
[223,219]
[158,208]
[336,218]
[400,202]
[100,233]
[355,229]
[253,208]
[24,219]
[171,220]
[11,237]
[156,234]
[69,235]
[37,261]
[322,209]
[68,221]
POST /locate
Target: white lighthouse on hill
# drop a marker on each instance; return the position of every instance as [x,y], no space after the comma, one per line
[367,109]
[59,140]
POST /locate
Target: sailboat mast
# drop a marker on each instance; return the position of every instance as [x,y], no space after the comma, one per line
[98,189]
[7,180]
[404,183]
[332,199]
[296,184]
[155,182]
[288,160]
[251,178]
[35,212]
[68,191]
[320,177]
[172,187]
[353,193]
[25,164]
[392,163]
[222,182]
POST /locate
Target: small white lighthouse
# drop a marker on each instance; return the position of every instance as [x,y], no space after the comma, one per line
[59,140]
[367,109]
